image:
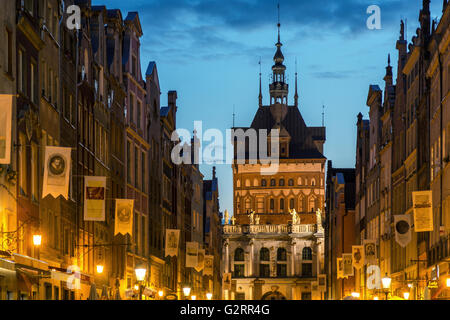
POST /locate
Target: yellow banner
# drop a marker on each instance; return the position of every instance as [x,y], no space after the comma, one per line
[94,198]
[6,101]
[124,216]
[423,211]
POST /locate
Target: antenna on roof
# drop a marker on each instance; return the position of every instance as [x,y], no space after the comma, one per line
[323,115]
[234,115]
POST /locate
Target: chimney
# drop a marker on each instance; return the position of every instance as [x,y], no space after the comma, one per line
[172,98]
[214,173]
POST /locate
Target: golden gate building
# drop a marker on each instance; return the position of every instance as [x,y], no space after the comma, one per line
[271,254]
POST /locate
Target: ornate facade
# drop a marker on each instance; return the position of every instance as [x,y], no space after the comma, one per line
[274,245]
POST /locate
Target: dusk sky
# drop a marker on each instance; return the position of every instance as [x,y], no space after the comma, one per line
[208,51]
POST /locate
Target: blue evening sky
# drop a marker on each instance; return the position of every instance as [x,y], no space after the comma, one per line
[208,50]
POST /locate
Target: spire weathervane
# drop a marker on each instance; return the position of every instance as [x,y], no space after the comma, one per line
[260,85]
[279,24]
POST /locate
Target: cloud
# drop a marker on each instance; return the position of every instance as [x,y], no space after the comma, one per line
[217,28]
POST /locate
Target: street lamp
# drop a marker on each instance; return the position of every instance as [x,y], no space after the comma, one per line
[160,294]
[140,277]
[448,282]
[209,296]
[386,281]
[376,298]
[194,297]
[37,240]
[100,269]
[406,295]
[355,295]
[187,292]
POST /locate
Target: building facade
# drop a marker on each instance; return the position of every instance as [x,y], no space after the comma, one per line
[271,253]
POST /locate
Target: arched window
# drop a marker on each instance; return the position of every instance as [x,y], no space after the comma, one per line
[239,266]
[307,253]
[281,254]
[301,206]
[248,204]
[312,204]
[264,183]
[299,181]
[239,254]
[264,265]
[272,204]
[291,204]
[281,204]
[313,182]
[273,183]
[264,254]
[281,263]
[238,183]
[247,183]
[281,182]
[291,182]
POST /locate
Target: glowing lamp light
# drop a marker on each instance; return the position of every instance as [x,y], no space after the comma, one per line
[136,287]
[355,294]
[448,282]
[140,274]
[37,240]
[194,297]
[160,293]
[406,295]
[209,296]
[376,298]
[386,281]
[100,269]
[186,291]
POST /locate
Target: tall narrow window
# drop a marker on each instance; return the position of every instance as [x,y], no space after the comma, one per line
[132,108]
[282,204]
[20,71]
[9,52]
[34,172]
[136,167]
[138,120]
[128,162]
[33,82]
[143,172]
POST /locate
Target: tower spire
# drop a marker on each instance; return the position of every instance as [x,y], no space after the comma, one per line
[279,23]
[260,85]
[296,86]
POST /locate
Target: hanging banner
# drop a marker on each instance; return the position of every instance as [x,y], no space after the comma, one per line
[124,217]
[172,240]
[191,254]
[56,172]
[226,281]
[402,226]
[358,256]
[370,252]
[340,268]
[6,101]
[209,266]
[94,198]
[348,265]
[423,211]
[200,260]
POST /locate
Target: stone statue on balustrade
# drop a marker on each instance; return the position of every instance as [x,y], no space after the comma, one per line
[295,217]
[252,217]
[227,217]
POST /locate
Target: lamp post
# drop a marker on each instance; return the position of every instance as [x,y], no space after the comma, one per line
[140,277]
[406,295]
[386,281]
[186,292]
[161,294]
[209,296]
[100,269]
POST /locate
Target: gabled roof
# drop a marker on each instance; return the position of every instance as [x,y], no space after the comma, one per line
[302,144]
[133,18]
[151,67]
